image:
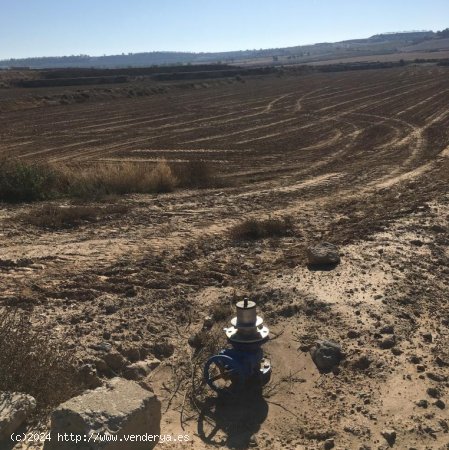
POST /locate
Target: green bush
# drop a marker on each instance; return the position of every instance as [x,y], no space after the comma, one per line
[25,182]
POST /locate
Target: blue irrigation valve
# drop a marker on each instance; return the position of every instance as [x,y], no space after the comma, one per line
[234,368]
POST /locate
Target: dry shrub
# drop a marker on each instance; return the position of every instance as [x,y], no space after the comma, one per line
[252,229]
[55,217]
[196,174]
[119,179]
[33,363]
[162,178]
[212,341]
[59,217]
[221,312]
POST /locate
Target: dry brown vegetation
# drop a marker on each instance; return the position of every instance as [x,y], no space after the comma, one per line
[33,362]
[23,181]
[196,173]
[120,178]
[251,229]
[56,217]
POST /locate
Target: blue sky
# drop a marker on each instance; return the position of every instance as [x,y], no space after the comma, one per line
[96,27]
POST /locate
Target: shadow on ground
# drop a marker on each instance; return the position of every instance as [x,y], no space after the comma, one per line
[321,267]
[232,421]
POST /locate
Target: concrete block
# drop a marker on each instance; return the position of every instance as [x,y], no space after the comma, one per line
[119,409]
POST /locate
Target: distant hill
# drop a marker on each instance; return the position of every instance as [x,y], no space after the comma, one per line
[431,45]
[375,45]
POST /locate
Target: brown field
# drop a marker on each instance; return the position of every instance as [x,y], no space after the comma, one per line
[360,159]
[405,55]
[410,54]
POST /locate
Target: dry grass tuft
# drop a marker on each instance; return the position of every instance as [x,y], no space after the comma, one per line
[32,363]
[56,217]
[59,217]
[252,229]
[119,179]
[221,312]
[162,178]
[196,174]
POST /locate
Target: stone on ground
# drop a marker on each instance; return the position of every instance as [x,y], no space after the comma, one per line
[323,254]
[389,436]
[119,408]
[14,409]
[326,355]
[140,369]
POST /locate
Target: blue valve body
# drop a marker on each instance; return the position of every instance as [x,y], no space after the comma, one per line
[244,362]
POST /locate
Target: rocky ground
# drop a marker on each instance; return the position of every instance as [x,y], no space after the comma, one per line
[357,160]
